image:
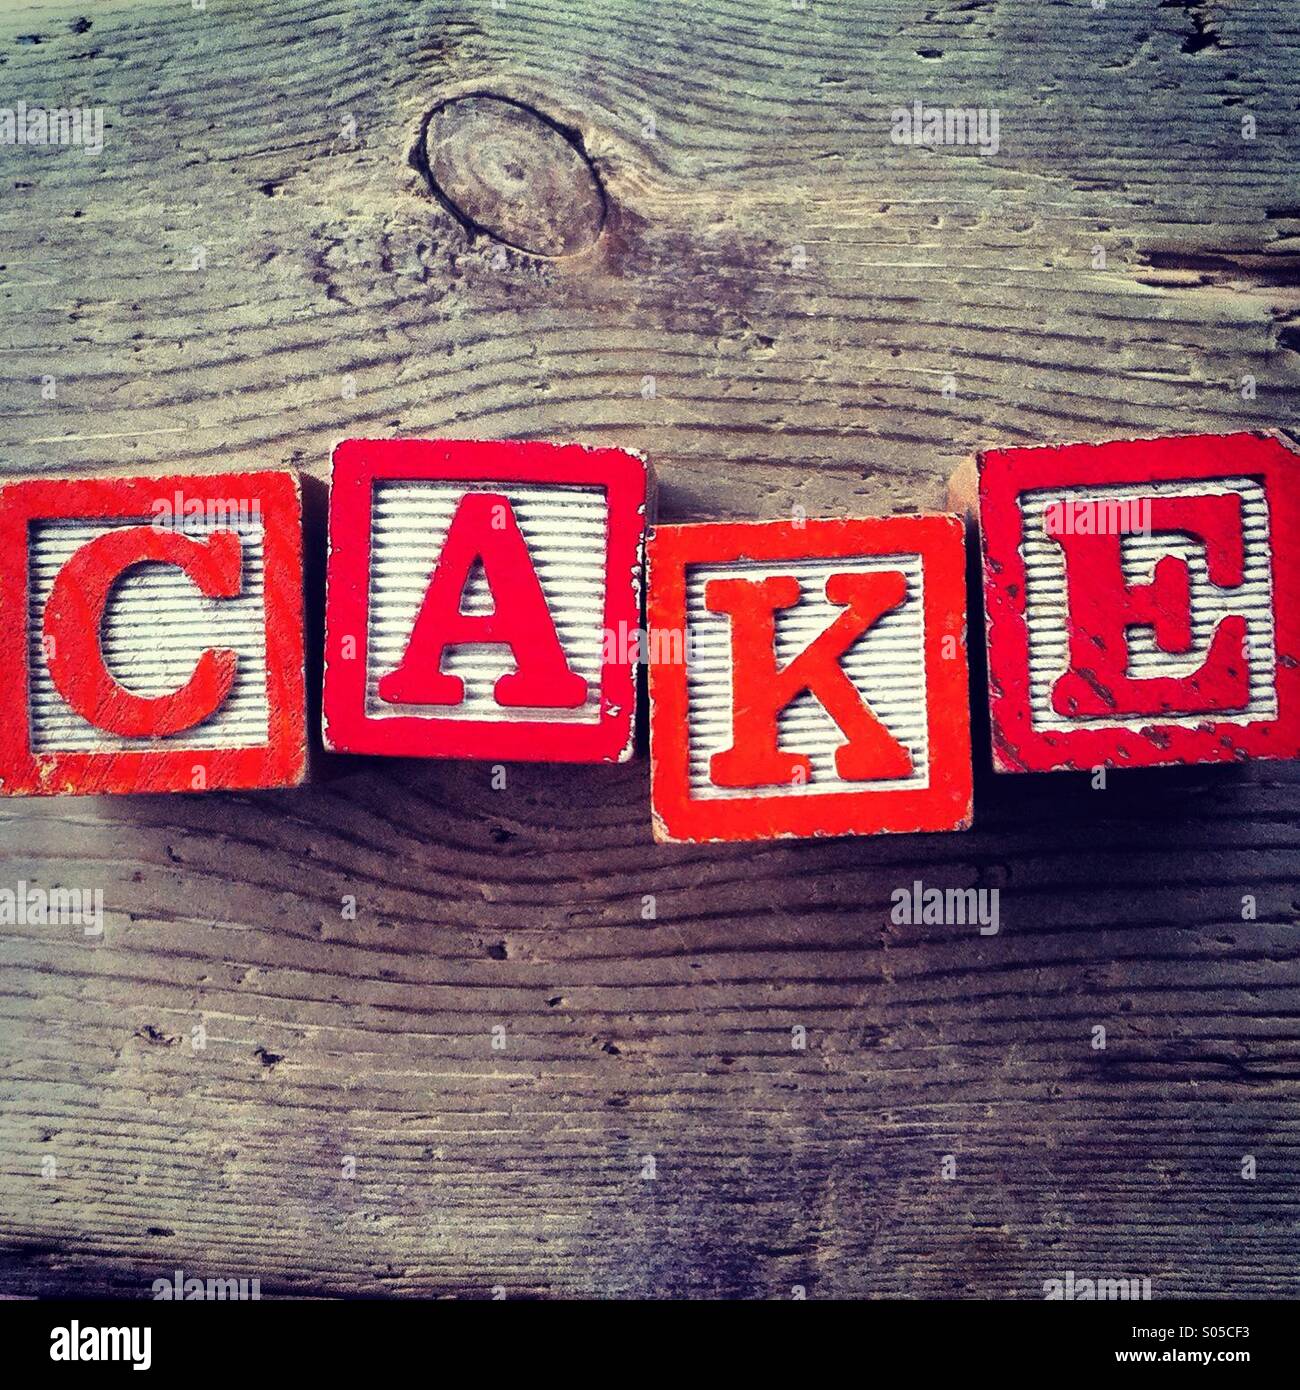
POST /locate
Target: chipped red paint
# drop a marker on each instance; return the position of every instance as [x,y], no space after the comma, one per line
[76,666]
[760,688]
[529,630]
[1201,716]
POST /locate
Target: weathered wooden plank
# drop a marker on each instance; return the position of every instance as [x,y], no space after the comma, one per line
[784,309]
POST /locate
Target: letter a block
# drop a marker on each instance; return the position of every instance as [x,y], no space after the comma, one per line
[808,678]
[151,634]
[1142,601]
[483,600]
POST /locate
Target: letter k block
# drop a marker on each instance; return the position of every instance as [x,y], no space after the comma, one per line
[808,678]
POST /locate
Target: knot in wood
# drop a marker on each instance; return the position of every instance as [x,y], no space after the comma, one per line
[503,168]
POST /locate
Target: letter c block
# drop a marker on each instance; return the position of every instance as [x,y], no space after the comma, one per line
[151,634]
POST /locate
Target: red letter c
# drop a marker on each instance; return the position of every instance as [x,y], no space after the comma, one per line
[75,612]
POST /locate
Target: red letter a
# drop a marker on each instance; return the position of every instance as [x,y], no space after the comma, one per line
[761,690]
[484,529]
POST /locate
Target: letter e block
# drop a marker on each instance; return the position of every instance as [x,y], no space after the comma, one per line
[1141,601]
[808,678]
[483,600]
[151,634]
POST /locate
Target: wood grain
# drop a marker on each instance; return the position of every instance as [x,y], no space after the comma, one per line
[256,267]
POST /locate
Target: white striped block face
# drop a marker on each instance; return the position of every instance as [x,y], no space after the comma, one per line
[886,666]
[483,600]
[156,627]
[564,529]
[1140,602]
[1047,607]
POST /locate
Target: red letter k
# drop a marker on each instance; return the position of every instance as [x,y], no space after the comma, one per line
[761,689]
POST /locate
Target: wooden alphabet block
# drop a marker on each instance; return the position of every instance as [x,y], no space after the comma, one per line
[151,634]
[808,678]
[1142,602]
[483,600]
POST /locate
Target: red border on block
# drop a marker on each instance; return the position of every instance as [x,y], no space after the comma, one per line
[944,805]
[279,762]
[1007,473]
[358,463]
